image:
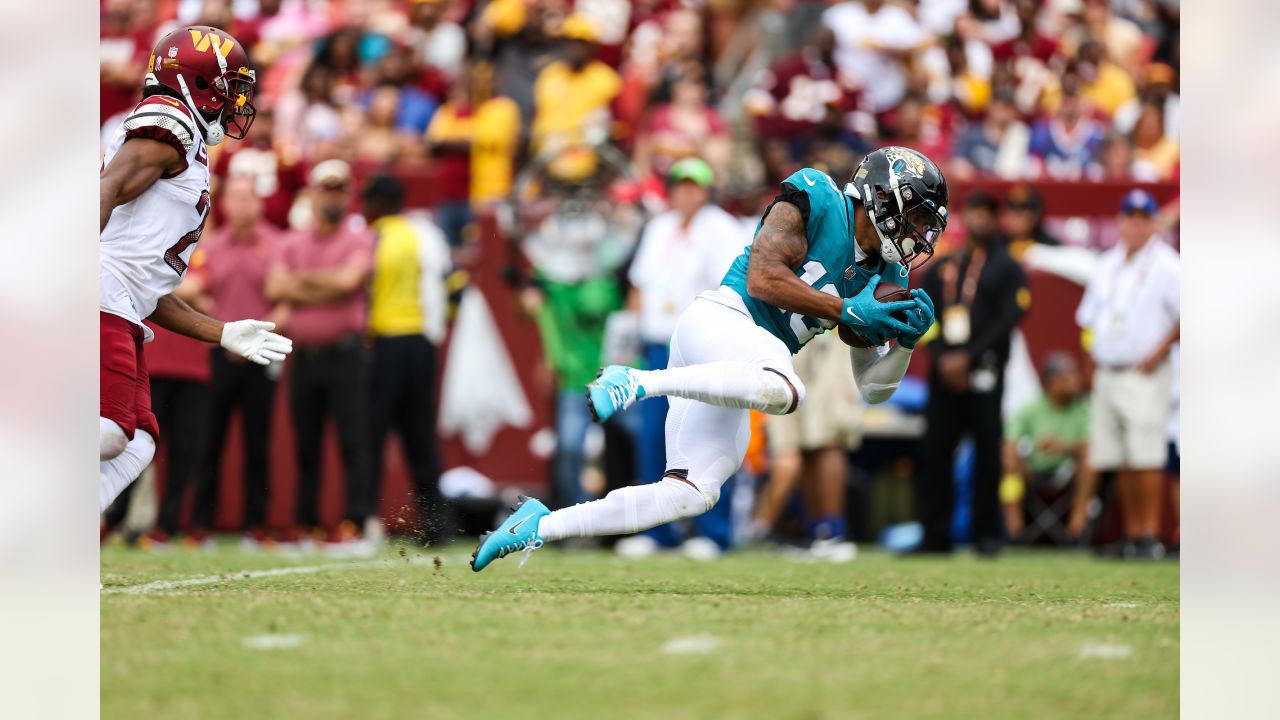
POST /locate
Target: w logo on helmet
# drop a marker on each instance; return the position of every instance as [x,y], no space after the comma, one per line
[202,42]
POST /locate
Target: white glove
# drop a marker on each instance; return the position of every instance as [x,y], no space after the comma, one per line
[254,340]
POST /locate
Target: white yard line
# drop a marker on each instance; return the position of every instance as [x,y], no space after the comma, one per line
[166,585]
[160,586]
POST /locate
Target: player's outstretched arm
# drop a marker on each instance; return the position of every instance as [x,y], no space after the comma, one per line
[251,339]
[879,370]
[777,251]
[138,164]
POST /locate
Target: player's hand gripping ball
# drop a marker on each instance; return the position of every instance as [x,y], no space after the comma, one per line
[885,292]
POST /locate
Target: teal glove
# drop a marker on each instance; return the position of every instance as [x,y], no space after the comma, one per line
[873,319]
[920,319]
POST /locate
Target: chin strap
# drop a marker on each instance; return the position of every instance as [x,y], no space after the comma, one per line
[213,134]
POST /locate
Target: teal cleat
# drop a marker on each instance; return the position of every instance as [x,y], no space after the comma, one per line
[517,532]
[615,388]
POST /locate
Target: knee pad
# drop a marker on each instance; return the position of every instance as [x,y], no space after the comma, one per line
[111,439]
[142,447]
[686,499]
[785,403]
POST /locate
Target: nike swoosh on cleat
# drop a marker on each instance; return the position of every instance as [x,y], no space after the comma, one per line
[806,179]
[855,315]
[516,527]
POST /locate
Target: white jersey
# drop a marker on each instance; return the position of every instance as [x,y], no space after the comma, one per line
[147,243]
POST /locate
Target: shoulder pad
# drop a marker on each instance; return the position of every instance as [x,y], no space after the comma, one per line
[164,119]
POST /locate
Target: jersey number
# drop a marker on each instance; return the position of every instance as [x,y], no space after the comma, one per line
[813,271]
[173,256]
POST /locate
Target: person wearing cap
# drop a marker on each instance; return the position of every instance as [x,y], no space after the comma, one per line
[1023,221]
[321,274]
[406,320]
[981,295]
[681,253]
[1045,443]
[572,98]
[1130,315]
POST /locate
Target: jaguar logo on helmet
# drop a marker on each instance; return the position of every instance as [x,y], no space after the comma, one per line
[902,160]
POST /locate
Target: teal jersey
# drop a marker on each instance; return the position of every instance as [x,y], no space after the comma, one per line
[830,264]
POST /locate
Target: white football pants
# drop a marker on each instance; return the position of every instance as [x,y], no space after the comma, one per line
[722,363]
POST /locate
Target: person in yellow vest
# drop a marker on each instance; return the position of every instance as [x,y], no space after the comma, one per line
[571,103]
[406,321]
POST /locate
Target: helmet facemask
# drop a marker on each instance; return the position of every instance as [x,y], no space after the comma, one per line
[234,114]
[907,236]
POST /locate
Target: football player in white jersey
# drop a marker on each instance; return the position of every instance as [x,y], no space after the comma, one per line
[153,202]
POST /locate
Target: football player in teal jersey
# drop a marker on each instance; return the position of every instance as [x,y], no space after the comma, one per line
[817,256]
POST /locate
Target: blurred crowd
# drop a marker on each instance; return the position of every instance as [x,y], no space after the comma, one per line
[627,147]
[1015,89]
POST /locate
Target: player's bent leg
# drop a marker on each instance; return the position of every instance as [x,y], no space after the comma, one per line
[111,439]
[114,475]
[771,387]
[626,510]
[705,446]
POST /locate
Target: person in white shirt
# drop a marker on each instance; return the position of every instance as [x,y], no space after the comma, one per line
[682,252]
[1130,314]
[873,40]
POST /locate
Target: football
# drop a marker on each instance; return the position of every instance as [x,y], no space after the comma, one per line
[885,292]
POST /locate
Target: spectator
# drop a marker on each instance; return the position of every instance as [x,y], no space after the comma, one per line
[572,99]
[448,140]
[1045,446]
[406,320]
[179,369]
[414,107]
[686,126]
[873,40]
[1114,160]
[128,32]
[996,146]
[1106,86]
[1023,221]
[377,142]
[438,42]
[682,252]
[1159,88]
[495,139]
[308,123]
[1155,154]
[960,68]
[1130,312]
[277,178]
[1066,141]
[232,280]
[805,96]
[573,294]
[918,126]
[320,274]
[981,294]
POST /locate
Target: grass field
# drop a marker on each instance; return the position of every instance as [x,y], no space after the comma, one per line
[586,635]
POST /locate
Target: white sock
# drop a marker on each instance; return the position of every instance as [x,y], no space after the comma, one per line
[114,475]
[728,384]
[625,510]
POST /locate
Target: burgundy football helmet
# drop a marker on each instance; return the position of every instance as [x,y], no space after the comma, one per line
[210,70]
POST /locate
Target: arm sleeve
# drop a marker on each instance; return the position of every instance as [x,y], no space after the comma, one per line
[1009,310]
[878,372]
[1086,311]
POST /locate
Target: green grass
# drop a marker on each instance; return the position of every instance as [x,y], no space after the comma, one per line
[582,635]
